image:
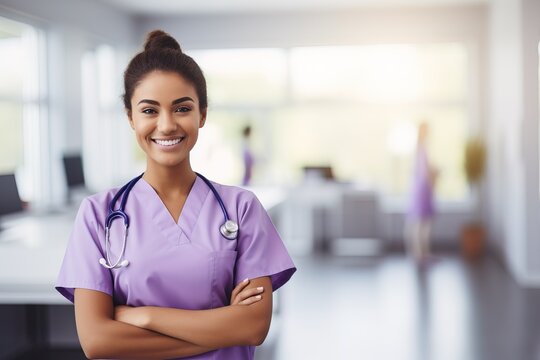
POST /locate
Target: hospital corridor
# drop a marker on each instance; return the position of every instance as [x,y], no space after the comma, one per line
[270,180]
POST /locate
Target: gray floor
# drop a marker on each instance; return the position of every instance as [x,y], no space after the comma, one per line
[338,308]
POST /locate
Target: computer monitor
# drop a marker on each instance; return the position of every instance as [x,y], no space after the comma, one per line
[322,172]
[73,167]
[10,202]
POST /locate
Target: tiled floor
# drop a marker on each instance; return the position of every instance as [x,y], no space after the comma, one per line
[336,308]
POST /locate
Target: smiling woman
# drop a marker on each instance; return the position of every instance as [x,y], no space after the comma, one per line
[189,287]
[166,127]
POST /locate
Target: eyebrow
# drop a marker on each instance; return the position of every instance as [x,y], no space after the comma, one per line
[185,98]
[154,102]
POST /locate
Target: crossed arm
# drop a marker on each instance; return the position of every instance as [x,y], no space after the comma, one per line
[154,332]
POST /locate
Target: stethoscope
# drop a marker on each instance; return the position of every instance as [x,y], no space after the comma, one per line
[228,230]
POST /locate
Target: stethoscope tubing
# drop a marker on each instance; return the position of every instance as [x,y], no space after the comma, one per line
[113,214]
[213,189]
[229,229]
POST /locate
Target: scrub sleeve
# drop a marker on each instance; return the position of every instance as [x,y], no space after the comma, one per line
[80,267]
[261,251]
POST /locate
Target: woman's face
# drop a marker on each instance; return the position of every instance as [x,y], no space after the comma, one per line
[166,117]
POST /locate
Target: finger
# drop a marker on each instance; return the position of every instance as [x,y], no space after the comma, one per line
[249,293]
[239,288]
[245,294]
[251,300]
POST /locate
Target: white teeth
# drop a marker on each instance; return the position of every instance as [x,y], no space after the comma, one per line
[168,142]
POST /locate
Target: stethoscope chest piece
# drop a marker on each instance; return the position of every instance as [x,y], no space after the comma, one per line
[229,230]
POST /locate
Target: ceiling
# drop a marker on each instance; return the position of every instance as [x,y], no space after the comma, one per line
[181,7]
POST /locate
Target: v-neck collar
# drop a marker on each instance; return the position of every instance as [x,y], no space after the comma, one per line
[180,232]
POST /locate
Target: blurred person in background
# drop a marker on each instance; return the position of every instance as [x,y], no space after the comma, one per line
[247,156]
[420,211]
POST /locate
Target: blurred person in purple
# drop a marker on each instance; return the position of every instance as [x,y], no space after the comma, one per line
[247,156]
[182,289]
[421,211]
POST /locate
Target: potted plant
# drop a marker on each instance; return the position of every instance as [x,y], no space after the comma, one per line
[473,233]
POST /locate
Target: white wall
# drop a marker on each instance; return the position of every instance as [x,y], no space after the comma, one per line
[530,41]
[514,209]
[506,207]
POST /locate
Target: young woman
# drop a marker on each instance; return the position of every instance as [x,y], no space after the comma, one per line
[421,208]
[153,268]
[247,156]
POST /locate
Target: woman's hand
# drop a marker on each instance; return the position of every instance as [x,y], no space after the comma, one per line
[131,315]
[242,296]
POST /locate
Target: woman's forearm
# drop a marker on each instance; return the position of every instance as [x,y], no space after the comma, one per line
[103,336]
[114,339]
[221,327]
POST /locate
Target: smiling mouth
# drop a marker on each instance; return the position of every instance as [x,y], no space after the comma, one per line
[168,142]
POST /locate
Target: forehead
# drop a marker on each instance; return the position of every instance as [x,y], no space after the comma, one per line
[161,85]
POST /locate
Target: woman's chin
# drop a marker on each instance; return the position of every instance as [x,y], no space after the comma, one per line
[169,161]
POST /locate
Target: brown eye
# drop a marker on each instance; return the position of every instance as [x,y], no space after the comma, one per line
[183,109]
[149,111]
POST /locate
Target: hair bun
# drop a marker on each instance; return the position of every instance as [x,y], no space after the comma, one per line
[159,40]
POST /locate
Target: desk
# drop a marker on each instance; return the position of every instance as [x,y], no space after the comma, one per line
[31,251]
[316,214]
[32,247]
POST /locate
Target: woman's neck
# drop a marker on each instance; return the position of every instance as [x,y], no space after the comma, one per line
[170,181]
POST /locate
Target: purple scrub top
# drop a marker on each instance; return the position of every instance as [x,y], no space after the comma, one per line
[185,265]
[421,201]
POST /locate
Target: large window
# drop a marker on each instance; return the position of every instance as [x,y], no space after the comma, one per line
[106,131]
[21,103]
[354,108]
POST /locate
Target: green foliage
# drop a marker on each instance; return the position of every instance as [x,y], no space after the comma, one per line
[475,159]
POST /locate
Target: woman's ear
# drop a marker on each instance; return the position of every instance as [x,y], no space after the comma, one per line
[203,118]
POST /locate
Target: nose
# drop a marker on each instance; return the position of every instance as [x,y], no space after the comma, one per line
[166,123]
